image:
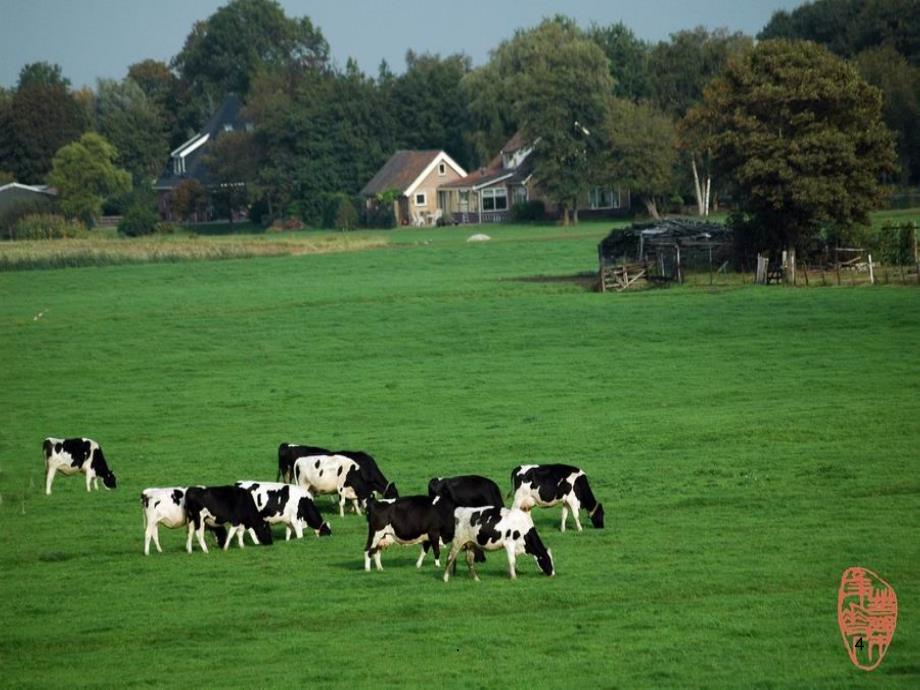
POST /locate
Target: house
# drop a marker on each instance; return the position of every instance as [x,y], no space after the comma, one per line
[187,161]
[17,196]
[488,194]
[415,177]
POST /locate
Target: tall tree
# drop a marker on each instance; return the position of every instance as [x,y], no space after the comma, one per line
[629,59]
[430,105]
[800,134]
[639,151]
[556,82]
[135,127]
[233,162]
[162,89]
[34,124]
[899,82]
[85,174]
[224,52]
[42,74]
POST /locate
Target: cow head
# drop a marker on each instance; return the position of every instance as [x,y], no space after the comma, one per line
[324,530]
[101,468]
[109,479]
[597,516]
[263,532]
[359,486]
[390,491]
[543,556]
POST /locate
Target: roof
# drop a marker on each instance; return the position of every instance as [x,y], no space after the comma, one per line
[405,170]
[226,118]
[495,172]
[37,188]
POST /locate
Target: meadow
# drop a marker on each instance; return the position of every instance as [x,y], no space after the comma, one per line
[748,444]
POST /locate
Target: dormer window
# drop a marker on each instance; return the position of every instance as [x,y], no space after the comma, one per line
[228,127]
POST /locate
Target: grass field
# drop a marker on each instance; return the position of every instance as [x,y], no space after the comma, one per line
[748,444]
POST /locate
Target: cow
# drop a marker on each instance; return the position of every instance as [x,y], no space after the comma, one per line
[218,505]
[468,490]
[327,474]
[73,455]
[373,477]
[494,528]
[287,504]
[408,520]
[166,506]
[547,485]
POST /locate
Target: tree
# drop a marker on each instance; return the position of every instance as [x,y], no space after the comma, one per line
[224,52]
[555,82]
[161,87]
[84,174]
[34,124]
[800,135]
[887,69]
[629,60]
[42,74]
[233,163]
[189,199]
[134,126]
[640,151]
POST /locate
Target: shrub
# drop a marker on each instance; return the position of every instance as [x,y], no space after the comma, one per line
[47,226]
[140,219]
[346,217]
[10,216]
[445,220]
[894,243]
[164,228]
[380,215]
[524,211]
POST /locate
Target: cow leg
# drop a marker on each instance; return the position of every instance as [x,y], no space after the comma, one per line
[287,533]
[49,477]
[341,505]
[188,542]
[298,529]
[357,508]
[576,506]
[451,561]
[435,539]
[200,534]
[156,536]
[377,559]
[148,534]
[370,549]
[89,480]
[565,515]
[421,556]
[252,535]
[509,549]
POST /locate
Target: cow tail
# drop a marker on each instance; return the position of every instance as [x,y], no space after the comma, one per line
[514,482]
[46,449]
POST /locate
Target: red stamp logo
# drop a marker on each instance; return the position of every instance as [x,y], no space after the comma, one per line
[867,612]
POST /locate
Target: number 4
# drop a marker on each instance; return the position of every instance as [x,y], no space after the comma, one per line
[859,643]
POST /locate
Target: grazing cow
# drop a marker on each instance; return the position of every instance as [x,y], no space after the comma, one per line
[218,505]
[72,455]
[328,474]
[547,485]
[373,477]
[468,490]
[408,520]
[287,504]
[494,528]
[167,507]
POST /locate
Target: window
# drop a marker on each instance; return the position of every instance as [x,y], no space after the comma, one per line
[495,199]
[518,195]
[442,168]
[464,201]
[421,199]
[603,197]
[228,127]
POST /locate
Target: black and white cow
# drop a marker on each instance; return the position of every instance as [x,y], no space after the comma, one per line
[220,505]
[373,477]
[333,474]
[495,528]
[73,455]
[408,520]
[467,490]
[166,506]
[547,485]
[287,504]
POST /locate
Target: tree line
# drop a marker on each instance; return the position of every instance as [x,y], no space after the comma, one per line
[600,105]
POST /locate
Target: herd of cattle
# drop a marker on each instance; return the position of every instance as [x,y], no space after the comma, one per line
[465,511]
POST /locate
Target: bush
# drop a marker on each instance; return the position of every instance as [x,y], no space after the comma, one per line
[894,243]
[445,220]
[524,211]
[47,226]
[346,217]
[164,228]
[140,219]
[380,215]
[285,224]
[11,215]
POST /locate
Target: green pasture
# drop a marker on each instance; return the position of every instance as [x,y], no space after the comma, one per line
[749,444]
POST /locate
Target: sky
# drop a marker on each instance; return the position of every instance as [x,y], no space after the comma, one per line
[93,39]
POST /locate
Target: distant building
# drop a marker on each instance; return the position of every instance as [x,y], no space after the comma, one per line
[416,176]
[187,161]
[15,195]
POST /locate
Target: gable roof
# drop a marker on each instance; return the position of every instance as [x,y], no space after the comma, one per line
[495,171]
[192,153]
[405,170]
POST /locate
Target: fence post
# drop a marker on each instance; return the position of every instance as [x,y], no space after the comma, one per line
[871,272]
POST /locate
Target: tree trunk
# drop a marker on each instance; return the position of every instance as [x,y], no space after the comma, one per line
[575,213]
[565,216]
[696,187]
[707,189]
[651,207]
